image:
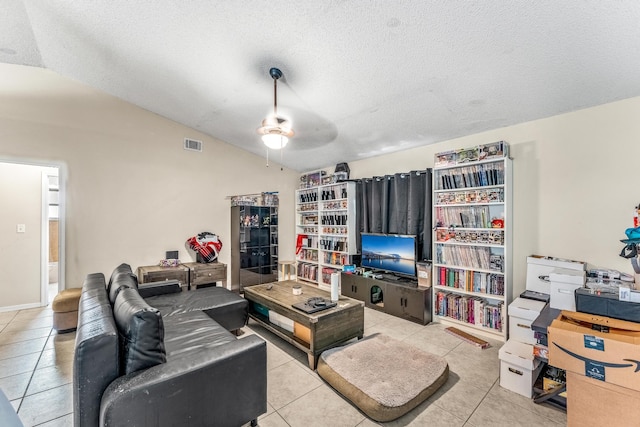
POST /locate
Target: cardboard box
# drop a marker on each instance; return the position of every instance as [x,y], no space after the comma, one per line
[522,312]
[611,356]
[563,283]
[518,368]
[424,274]
[594,403]
[302,332]
[539,267]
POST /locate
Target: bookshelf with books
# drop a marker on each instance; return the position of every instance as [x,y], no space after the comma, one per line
[326,231]
[472,239]
[337,229]
[307,235]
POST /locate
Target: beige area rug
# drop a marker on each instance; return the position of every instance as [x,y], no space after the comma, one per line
[383,377]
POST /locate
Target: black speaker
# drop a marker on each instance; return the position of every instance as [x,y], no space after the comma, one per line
[342,172]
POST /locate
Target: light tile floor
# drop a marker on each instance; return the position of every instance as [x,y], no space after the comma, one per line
[36,375]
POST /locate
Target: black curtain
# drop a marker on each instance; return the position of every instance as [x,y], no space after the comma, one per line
[397,204]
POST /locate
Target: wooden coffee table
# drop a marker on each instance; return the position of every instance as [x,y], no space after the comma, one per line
[326,329]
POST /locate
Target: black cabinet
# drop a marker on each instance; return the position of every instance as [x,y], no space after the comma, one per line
[356,287]
[254,245]
[408,302]
[398,298]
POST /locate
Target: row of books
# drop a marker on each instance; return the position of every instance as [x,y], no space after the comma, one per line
[466,155]
[473,310]
[489,195]
[308,272]
[491,237]
[469,256]
[482,175]
[308,255]
[471,281]
[463,216]
[335,258]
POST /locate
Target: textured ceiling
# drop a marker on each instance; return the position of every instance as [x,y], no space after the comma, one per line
[360,78]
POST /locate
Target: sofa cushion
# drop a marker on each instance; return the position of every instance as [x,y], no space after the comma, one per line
[141,331]
[121,281]
[122,268]
[225,307]
[188,333]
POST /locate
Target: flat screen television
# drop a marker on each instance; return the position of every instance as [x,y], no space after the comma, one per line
[391,253]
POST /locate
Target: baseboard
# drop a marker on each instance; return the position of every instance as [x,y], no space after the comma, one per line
[20,307]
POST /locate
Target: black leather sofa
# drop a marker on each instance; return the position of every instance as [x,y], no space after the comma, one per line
[157,356]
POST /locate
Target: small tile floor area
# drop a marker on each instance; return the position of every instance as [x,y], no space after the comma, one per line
[36,375]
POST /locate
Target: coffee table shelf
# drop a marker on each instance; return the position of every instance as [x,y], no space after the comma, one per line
[281,332]
[327,328]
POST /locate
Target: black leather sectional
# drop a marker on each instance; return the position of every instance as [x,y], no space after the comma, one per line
[157,356]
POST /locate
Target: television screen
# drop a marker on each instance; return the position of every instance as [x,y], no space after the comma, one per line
[393,253]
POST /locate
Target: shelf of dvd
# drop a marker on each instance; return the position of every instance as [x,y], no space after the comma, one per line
[326,231]
[472,239]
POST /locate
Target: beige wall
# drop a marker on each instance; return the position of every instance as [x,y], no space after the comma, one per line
[132,191]
[575,182]
[21,193]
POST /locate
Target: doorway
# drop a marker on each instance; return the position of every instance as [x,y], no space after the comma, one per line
[32,233]
[51,184]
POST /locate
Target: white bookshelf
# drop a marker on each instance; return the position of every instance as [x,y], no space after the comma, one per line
[326,217]
[472,261]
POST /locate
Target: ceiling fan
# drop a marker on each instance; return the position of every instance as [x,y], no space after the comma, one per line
[275,130]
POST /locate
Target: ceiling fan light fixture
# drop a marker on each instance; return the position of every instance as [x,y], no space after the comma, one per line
[275,141]
[275,130]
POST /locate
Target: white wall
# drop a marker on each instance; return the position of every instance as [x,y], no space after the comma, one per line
[132,191]
[575,182]
[21,195]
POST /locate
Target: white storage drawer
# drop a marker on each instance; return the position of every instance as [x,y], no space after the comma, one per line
[518,367]
[522,312]
[539,267]
[564,282]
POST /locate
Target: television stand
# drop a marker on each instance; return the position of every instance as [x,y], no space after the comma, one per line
[391,277]
[398,296]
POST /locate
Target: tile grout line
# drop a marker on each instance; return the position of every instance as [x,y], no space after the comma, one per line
[33,372]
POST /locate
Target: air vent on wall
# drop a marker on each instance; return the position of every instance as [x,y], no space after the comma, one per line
[192,144]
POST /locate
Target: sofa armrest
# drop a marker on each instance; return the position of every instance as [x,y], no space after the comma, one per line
[225,385]
[162,287]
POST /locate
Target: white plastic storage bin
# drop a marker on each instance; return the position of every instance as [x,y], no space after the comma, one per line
[522,312]
[539,267]
[564,282]
[518,368]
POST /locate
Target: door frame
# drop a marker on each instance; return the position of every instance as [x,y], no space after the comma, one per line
[44,244]
[44,218]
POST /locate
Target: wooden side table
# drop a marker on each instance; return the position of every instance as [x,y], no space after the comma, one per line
[155,273]
[205,274]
